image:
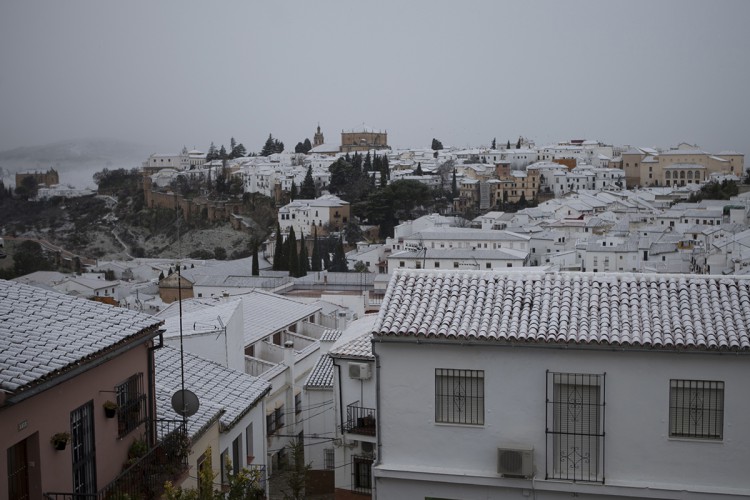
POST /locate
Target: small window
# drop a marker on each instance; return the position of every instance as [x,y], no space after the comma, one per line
[249,443]
[455,265]
[328,458]
[488,265]
[437,264]
[298,403]
[459,396]
[696,409]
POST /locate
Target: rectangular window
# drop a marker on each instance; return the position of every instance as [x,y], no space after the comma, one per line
[83,450]
[459,396]
[131,404]
[575,410]
[278,415]
[270,424]
[224,459]
[361,474]
[328,458]
[696,409]
[298,403]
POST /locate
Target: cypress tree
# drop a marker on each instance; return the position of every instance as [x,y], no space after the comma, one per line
[292,257]
[307,192]
[304,262]
[293,192]
[339,258]
[507,146]
[325,247]
[315,252]
[278,252]
[454,185]
[367,166]
[256,265]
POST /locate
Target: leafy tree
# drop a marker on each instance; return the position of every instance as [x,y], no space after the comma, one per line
[29,257]
[256,265]
[360,267]
[308,191]
[220,253]
[28,188]
[303,147]
[436,145]
[418,170]
[292,256]
[339,264]
[315,265]
[308,145]
[296,476]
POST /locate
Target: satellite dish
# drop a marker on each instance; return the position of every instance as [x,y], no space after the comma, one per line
[185,402]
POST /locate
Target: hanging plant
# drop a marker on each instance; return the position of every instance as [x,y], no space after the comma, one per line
[110,409]
[60,440]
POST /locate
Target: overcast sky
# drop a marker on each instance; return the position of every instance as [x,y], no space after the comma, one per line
[169,73]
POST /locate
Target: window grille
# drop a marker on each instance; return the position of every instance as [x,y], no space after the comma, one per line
[83,449]
[575,426]
[459,396]
[298,403]
[696,409]
[329,461]
[361,474]
[131,404]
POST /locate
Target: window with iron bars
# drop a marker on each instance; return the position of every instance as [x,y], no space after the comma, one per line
[131,404]
[459,396]
[575,426]
[696,409]
[328,458]
[361,474]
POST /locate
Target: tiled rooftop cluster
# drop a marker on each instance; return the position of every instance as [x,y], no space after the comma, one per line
[43,332]
[657,311]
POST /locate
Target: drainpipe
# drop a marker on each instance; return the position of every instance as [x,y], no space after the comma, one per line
[150,373]
[378,444]
[289,394]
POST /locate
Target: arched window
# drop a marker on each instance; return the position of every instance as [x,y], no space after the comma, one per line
[690,174]
[682,174]
[668,175]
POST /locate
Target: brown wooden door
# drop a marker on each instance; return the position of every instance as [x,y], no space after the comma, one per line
[18,472]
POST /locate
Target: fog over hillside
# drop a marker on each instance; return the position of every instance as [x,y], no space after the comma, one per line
[75,160]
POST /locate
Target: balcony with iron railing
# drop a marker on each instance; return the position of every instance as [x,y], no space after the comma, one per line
[360,420]
[144,478]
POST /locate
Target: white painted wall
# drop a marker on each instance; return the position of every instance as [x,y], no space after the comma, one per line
[640,458]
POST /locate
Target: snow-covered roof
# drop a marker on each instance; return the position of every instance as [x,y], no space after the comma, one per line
[356,341]
[216,386]
[321,375]
[685,312]
[45,333]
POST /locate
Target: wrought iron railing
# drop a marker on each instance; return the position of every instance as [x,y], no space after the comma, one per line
[144,478]
[360,420]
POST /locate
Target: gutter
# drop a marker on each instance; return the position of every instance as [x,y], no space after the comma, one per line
[520,344]
[74,369]
[378,441]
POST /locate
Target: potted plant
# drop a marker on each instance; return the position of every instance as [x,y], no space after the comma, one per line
[110,409]
[60,440]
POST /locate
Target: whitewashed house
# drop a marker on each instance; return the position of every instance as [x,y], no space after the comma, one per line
[552,386]
[234,400]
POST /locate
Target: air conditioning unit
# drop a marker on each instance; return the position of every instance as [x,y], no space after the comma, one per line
[517,461]
[360,371]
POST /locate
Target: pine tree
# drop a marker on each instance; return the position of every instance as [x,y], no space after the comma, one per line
[278,253]
[238,151]
[367,165]
[494,144]
[436,145]
[272,146]
[232,144]
[293,192]
[223,153]
[161,275]
[212,153]
[292,257]
[507,146]
[418,170]
[307,192]
[304,262]
[256,265]
[315,252]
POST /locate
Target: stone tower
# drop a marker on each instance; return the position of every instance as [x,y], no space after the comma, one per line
[318,138]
